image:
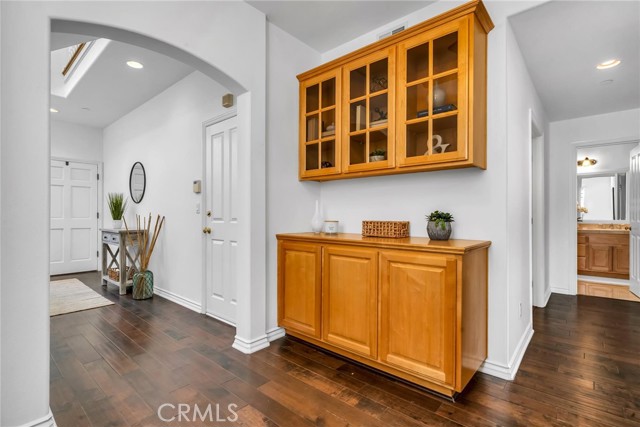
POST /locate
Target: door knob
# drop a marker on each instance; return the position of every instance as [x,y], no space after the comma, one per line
[206,230]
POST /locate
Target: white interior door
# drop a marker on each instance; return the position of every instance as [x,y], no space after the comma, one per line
[634,217]
[74,217]
[222,219]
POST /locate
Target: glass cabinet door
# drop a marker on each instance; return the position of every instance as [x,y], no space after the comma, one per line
[319,126]
[433,88]
[368,137]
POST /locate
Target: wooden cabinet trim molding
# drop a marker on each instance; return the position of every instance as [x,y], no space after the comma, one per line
[422,244]
[476,7]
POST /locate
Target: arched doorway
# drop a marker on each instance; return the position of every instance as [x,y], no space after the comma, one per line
[193,36]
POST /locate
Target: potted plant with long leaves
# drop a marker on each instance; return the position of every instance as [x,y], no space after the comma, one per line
[146,243]
[117,206]
[439,225]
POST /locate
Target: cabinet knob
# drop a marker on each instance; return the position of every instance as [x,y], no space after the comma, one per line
[206,230]
[208,213]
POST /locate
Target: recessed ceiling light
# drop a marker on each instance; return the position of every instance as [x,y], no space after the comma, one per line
[135,64]
[86,108]
[608,64]
[53,110]
[606,82]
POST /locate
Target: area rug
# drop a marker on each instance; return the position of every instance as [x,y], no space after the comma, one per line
[70,295]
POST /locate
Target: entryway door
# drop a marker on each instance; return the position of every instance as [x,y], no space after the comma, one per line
[221,219]
[634,216]
[74,217]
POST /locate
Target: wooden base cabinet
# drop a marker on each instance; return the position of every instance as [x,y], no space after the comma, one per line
[604,254]
[410,307]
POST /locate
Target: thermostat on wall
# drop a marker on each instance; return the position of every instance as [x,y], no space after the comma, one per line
[197,186]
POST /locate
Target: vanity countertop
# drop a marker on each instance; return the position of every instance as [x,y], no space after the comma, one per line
[604,228]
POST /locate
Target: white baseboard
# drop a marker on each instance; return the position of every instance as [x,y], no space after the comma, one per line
[275,334]
[220,319]
[563,291]
[248,347]
[46,421]
[185,302]
[509,372]
[547,295]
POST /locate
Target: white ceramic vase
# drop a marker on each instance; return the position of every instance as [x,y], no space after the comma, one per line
[117,224]
[438,95]
[317,221]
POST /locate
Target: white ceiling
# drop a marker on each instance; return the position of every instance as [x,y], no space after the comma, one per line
[563,41]
[110,89]
[324,25]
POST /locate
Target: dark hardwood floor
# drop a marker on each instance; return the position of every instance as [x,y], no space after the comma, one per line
[116,365]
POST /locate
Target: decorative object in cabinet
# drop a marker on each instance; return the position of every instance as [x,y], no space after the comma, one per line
[410,307]
[419,95]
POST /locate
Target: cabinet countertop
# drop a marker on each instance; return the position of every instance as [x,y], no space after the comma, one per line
[602,231]
[453,246]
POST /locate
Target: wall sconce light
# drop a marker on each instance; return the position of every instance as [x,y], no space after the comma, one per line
[587,162]
[227,100]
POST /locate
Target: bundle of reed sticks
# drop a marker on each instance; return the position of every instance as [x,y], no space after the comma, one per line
[146,241]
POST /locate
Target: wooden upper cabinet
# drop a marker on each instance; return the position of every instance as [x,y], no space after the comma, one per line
[419,96]
[320,115]
[432,101]
[368,121]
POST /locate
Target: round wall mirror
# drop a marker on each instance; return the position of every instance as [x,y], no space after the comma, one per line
[137,182]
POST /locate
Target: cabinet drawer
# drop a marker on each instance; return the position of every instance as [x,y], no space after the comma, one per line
[609,239]
[582,238]
[113,238]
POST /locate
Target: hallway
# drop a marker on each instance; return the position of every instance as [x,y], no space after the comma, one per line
[117,365]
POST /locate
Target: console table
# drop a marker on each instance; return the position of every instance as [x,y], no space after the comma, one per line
[125,257]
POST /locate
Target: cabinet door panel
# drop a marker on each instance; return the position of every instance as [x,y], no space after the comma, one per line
[349,299]
[417,313]
[299,297]
[599,257]
[621,259]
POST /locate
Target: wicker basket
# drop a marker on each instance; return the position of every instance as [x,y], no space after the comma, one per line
[394,229]
[114,274]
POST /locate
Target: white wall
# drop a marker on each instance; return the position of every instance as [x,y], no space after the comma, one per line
[165,135]
[72,141]
[610,157]
[521,98]
[565,136]
[226,39]
[290,203]
[488,205]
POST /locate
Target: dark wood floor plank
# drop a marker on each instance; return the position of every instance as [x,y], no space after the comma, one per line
[115,366]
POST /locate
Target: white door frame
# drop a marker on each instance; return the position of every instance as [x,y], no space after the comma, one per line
[203,201]
[572,232]
[99,195]
[537,240]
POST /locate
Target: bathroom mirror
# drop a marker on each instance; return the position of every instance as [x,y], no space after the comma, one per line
[137,182]
[604,196]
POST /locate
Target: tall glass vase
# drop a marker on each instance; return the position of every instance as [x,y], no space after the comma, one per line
[143,285]
[316,221]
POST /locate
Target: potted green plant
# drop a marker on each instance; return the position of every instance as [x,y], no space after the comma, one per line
[439,225]
[117,205]
[377,155]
